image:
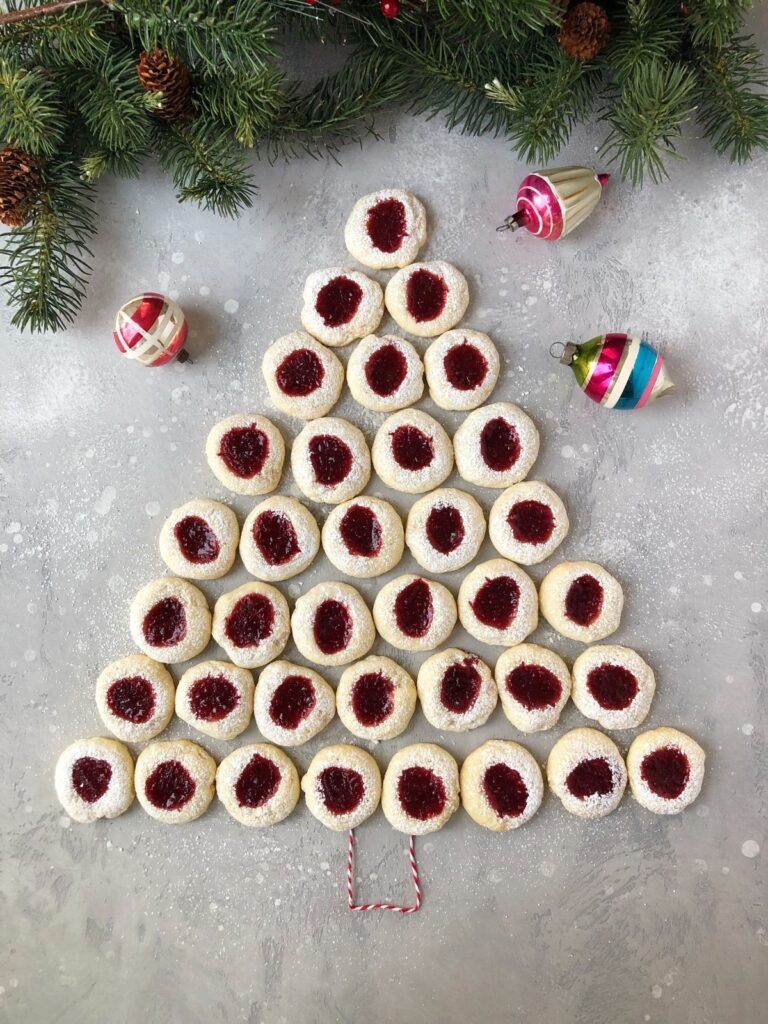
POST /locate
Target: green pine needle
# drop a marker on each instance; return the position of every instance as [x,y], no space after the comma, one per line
[31,112]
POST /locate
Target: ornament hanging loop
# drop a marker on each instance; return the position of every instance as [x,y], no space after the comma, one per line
[564,353]
[512,222]
[556,349]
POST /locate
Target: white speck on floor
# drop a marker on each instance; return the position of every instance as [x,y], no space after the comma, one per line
[231,306]
[750,848]
[104,503]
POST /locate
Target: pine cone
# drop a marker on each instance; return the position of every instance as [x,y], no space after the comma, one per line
[585,32]
[167,75]
[19,182]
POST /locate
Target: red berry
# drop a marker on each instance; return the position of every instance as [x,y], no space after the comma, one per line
[390,8]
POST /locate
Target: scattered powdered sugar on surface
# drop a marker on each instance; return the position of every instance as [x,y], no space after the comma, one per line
[750,848]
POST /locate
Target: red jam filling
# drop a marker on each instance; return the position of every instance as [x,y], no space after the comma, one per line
[250,621]
[584,600]
[421,793]
[91,777]
[460,686]
[338,301]
[465,366]
[496,602]
[505,790]
[666,772]
[331,459]
[412,449]
[534,686]
[499,445]
[592,777]
[385,224]
[292,702]
[445,528]
[414,609]
[165,624]
[425,295]
[213,698]
[244,451]
[342,789]
[132,698]
[531,522]
[257,782]
[386,370]
[373,699]
[360,530]
[275,537]
[197,541]
[332,626]
[613,686]
[300,373]
[170,786]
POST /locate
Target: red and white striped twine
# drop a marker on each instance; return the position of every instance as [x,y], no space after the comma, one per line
[381,906]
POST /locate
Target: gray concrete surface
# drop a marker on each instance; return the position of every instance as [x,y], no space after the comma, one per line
[630,919]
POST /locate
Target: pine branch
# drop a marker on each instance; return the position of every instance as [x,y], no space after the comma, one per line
[207,167]
[513,21]
[248,102]
[46,262]
[733,116]
[646,115]
[98,161]
[75,36]
[237,34]
[647,30]
[112,102]
[714,22]
[542,107]
[31,113]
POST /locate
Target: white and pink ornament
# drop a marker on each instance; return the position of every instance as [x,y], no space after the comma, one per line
[552,202]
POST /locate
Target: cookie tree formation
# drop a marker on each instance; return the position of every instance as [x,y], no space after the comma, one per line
[363,536]
[92,87]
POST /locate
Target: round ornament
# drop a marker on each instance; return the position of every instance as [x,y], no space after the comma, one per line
[151,329]
[552,202]
[617,371]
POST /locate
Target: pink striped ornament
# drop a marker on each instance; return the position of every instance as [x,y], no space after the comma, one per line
[151,329]
[381,906]
[552,202]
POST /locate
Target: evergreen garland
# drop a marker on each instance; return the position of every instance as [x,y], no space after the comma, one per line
[73,105]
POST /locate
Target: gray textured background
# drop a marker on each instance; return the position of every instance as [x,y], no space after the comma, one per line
[633,918]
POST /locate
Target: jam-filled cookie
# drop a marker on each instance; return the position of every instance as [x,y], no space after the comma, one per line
[292,704]
[414,614]
[246,453]
[528,522]
[498,603]
[331,624]
[304,378]
[421,789]
[342,786]
[427,299]
[341,305]
[330,460]
[613,685]
[363,537]
[280,539]
[258,784]
[462,368]
[386,229]
[666,770]
[216,698]
[456,690]
[587,772]
[445,529]
[170,620]
[412,452]
[385,373]
[134,697]
[496,445]
[94,779]
[534,685]
[582,601]
[199,540]
[252,624]
[175,781]
[501,785]
[376,698]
